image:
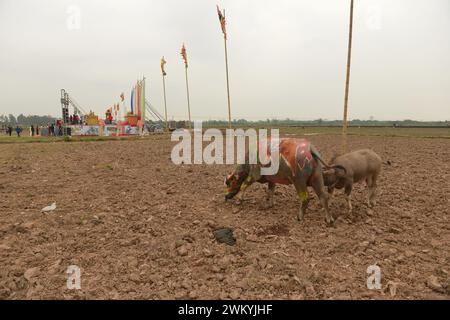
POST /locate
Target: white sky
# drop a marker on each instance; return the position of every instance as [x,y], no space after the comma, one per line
[287,58]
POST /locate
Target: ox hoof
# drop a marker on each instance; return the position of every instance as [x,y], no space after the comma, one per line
[371,204]
[268,205]
[330,221]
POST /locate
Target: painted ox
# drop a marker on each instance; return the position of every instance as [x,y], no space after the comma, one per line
[300,164]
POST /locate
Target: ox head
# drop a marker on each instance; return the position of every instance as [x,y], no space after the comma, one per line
[234,180]
[332,174]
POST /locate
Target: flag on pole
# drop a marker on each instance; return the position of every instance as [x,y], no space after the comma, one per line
[163,62]
[184,55]
[222,21]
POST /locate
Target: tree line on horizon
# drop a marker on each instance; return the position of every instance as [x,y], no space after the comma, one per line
[28,120]
[22,120]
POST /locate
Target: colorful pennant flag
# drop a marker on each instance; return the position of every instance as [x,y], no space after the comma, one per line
[163,62]
[184,55]
[222,21]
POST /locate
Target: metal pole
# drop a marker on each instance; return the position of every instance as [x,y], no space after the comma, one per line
[347,81]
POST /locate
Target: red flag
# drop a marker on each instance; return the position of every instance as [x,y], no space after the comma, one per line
[222,21]
[184,55]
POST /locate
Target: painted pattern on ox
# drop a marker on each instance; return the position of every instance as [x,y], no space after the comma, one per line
[296,155]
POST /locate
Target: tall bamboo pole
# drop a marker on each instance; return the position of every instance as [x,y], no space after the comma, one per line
[347,80]
[165,103]
[187,91]
[228,85]
[222,24]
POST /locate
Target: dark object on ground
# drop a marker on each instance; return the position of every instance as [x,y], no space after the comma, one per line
[225,235]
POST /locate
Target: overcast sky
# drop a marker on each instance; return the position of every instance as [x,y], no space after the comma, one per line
[286,58]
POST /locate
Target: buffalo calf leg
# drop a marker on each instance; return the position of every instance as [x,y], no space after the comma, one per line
[372,185]
[348,191]
[330,192]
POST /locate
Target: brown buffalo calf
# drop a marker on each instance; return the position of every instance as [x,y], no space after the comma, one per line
[360,165]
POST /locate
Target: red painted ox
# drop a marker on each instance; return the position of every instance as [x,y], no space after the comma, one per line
[300,164]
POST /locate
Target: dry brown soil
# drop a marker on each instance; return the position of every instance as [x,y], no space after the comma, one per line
[140,227]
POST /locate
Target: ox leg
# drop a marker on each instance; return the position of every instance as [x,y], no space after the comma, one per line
[247,183]
[270,192]
[330,192]
[348,191]
[372,185]
[319,189]
[302,192]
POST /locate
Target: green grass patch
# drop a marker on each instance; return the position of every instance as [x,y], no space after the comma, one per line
[291,130]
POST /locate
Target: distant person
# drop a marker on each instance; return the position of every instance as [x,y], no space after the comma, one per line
[18,131]
[52,129]
[37,130]
[32,130]
[10,130]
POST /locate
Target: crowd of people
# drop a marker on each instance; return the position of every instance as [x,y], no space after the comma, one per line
[76,119]
[9,130]
[36,130]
